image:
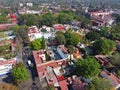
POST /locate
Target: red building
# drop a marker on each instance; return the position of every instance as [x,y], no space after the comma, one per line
[12,17]
[59,27]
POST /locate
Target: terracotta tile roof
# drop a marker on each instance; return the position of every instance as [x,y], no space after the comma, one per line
[63,85]
[102,59]
[12,16]
[32,30]
[8,62]
[5,26]
[99,12]
[38,60]
[42,67]
[101,19]
[59,27]
[114,81]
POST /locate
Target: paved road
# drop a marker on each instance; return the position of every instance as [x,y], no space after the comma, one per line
[26,55]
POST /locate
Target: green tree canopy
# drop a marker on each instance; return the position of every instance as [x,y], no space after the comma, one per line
[104,31]
[88,67]
[60,38]
[64,18]
[3,19]
[103,46]
[92,36]
[114,34]
[71,49]
[20,30]
[43,44]
[99,84]
[36,44]
[29,19]
[116,60]
[72,38]
[47,19]
[19,72]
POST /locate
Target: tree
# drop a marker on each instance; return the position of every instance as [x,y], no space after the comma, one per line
[43,44]
[15,28]
[114,36]
[64,18]
[60,38]
[72,38]
[99,84]
[105,31]
[88,67]
[29,19]
[71,50]
[92,36]
[103,46]
[116,60]
[86,23]
[43,30]
[47,19]
[114,32]
[20,73]
[117,16]
[8,87]
[3,19]
[2,37]
[26,40]
[23,31]
[91,86]
[36,44]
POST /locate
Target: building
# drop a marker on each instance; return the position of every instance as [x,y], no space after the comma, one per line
[12,17]
[32,12]
[114,81]
[35,33]
[101,18]
[103,60]
[6,65]
[29,4]
[49,72]
[49,65]
[76,54]
[5,26]
[7,37]
[25,11]
[59,27]
[21,4]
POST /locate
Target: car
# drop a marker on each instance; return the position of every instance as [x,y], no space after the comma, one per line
[29,62]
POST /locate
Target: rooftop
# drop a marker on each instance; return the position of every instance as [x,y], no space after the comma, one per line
[33,29]
[5,26]
[37,57]
[10,61]
[59,27]
[114,81]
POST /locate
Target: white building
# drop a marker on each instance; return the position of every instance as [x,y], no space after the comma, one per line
[6,66]
[29,4]
[21,4]
[32,12]
[34,33]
